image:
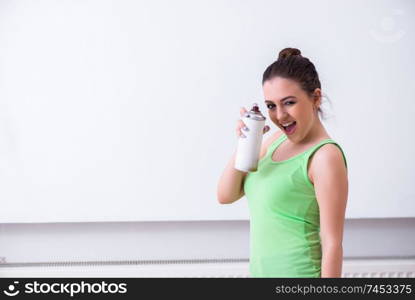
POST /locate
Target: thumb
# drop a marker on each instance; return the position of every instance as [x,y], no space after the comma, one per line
[266,129]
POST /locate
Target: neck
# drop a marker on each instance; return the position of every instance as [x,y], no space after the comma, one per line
[316,133]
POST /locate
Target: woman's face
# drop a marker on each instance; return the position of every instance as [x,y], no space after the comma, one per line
[287,103]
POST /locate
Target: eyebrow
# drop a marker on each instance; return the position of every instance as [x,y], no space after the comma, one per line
[285,98]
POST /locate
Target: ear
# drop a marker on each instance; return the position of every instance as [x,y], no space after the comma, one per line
[317,98]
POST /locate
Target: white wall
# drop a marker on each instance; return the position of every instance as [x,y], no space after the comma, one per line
[125,110]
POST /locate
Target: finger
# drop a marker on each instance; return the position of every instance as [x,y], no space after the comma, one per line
[266,129]
[240,124]
[239,133]
[242,111]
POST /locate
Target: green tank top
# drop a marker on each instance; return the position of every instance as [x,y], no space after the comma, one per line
[284,216]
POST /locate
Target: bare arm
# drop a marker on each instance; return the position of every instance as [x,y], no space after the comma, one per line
[331,187]
[230,186]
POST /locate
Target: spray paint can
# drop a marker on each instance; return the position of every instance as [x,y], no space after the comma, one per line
[247,154]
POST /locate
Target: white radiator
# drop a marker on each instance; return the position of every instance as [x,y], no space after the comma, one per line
[192,268]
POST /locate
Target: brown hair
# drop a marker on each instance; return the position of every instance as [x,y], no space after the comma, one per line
[292,65]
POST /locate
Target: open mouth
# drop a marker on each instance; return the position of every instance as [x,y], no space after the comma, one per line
[290,127]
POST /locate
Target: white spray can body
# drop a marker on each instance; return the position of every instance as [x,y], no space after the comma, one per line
[247,154]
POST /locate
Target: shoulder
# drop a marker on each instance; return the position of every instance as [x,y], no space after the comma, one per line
[328,159]
[268,141]
[329,153]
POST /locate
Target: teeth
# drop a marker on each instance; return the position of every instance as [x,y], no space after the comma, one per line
[288,124]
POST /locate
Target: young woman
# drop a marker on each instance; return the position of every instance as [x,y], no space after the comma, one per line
[297,197]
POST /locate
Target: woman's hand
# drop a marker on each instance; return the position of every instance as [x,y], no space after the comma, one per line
[240,126]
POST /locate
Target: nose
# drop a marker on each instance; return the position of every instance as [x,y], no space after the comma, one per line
[281,115]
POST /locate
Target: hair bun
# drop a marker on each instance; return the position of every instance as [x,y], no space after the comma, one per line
[287,52]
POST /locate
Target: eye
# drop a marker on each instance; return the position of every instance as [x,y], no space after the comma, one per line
[270,106]
[289,103]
